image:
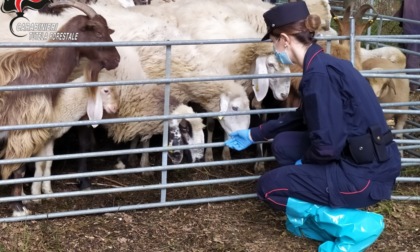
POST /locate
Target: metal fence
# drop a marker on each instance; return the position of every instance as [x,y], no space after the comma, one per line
[410,144]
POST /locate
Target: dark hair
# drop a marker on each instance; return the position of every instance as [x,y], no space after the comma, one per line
[303,30]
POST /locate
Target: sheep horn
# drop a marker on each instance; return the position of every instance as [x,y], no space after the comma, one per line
[362,10]
[348,11]
[83,7]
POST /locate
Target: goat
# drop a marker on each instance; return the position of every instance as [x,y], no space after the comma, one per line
[50,65]
[389,89]
[391,53]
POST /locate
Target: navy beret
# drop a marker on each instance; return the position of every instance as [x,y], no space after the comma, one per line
[284,14]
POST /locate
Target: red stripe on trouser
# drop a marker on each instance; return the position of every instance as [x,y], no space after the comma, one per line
[273,201]
[360,191]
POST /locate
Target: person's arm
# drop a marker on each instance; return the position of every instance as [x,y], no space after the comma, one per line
[324,115]
[287,122]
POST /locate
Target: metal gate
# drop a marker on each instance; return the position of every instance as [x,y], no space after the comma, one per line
[410,144]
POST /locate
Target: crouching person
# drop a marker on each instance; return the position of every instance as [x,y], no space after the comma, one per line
[336,152]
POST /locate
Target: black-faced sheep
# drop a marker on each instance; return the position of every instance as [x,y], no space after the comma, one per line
[148,100]
[43,66]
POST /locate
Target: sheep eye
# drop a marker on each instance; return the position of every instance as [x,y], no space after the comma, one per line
[99,35]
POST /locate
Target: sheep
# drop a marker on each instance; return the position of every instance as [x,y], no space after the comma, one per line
[147,100]
[70,105]
[389,90]
[35,66]
[249,10]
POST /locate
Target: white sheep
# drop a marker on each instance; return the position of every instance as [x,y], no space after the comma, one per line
[71,105]
[389,90]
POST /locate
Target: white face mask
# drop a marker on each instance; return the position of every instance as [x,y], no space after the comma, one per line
[282,57]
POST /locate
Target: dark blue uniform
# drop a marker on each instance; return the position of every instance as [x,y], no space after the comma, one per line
[337,105]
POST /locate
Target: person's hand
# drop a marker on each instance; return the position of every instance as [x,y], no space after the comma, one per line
[239,140]
[298,162]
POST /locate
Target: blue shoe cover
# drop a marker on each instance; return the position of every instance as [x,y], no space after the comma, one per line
[300,220]
[341,229]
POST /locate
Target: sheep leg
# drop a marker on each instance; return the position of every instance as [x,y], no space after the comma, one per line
[210,129]
[130,159]
[17,190]
[36,186]
[144,161]
[43,168]
[86,143]
[226,150]
[400,120]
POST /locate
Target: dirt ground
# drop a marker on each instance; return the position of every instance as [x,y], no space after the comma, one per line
[243,225]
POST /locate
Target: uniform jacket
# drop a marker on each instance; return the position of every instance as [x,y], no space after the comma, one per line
[337,102]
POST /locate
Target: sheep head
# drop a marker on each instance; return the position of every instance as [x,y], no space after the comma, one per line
[279,86]
[100,98]
[232,103]
[185,131]
[90,28]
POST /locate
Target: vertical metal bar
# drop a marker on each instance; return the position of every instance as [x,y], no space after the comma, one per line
[381,21]
[164,174]
[370,27]
[329,46]
[352,39]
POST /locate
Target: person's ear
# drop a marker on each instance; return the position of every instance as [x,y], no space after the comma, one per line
[285,38]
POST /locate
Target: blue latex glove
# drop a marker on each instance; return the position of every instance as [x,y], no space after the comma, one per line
[239,140]
[299,162]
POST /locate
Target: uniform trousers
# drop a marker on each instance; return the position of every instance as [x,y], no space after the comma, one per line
[307,182]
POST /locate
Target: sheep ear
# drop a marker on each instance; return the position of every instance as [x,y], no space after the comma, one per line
[94,105]
[224,105]
[260,86]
